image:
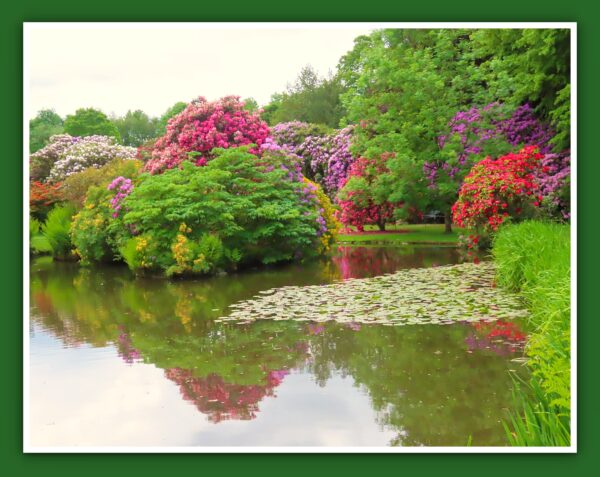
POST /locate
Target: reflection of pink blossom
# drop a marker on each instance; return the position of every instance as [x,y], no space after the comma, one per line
[500,337]
[353,326]
[315,329]
[126,349]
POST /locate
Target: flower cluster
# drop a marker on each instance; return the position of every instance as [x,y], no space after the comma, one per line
[123,187]
[325,155]
[77,154]
[41,162]
[497,189]
[203,126]
[554,178]
[328,225]
[43,196]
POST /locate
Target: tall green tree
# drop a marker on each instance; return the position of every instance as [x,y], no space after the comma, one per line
[90,122]
[136,127]
[161,126]
[46,123]
[310,98]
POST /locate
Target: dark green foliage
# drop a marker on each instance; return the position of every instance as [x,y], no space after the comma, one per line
[161,126]
[47,123]
[136,127]
[90,122]
[310,99]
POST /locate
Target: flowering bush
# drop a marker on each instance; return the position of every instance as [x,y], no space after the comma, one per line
[359,198]
[497,189]
[203,126]
[42,197]
[85,152]
[554,180]
[41,162]
[325,155]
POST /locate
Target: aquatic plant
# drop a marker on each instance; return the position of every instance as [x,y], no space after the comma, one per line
[438,295]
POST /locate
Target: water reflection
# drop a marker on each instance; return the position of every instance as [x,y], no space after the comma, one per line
[427,385]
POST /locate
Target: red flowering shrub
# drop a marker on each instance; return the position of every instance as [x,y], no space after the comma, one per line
[203,126]
[362,200]
[42,197]
[496,189]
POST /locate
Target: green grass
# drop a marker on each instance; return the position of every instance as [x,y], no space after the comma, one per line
[533,258]
[430,233]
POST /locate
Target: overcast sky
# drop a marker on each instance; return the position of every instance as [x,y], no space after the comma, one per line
[151,69]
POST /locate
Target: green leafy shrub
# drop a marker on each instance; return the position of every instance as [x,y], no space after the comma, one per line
[38,243]
[56,230]
[533,258]
[235,210]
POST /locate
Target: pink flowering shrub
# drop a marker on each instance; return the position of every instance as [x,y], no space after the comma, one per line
[122,187]
[203,126]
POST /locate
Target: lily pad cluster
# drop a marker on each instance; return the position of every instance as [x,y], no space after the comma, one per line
[436,295]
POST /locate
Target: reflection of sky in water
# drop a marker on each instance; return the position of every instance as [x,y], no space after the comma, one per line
[88,397]
[272,383]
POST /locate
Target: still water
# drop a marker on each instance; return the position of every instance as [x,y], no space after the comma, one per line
[120,361]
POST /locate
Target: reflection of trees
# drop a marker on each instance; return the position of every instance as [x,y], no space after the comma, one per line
[428,382]
[361,262]
[422,381]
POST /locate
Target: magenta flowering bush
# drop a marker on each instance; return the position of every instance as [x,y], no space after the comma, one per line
[68,155]
[122,187]
[203,126]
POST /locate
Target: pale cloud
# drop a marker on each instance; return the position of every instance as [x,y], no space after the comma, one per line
[116,69]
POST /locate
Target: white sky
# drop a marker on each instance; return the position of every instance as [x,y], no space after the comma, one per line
[116,69]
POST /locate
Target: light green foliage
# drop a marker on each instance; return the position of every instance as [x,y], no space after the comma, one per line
[47,123]
[404,86]
[534,258]
[90,122]
[136,127]
[56,231]
[76,186]
[198,220]
[524,65]
[38,243]
[309,99]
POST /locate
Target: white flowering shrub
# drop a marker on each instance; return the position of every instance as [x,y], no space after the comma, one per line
[75,154]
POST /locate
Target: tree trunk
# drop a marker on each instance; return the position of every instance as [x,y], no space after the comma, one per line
[448,223]
[381,226]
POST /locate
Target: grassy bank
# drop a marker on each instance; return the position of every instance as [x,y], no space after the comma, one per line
[533,259]
[396,234]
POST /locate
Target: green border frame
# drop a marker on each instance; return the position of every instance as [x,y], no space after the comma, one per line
[17,463]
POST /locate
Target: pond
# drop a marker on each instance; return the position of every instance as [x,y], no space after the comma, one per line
[123,361]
